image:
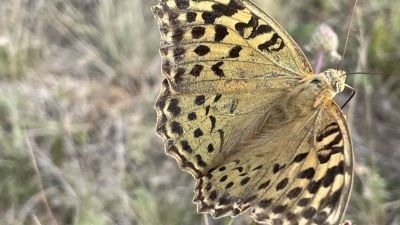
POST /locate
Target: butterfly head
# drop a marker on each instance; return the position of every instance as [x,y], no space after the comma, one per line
[335,80]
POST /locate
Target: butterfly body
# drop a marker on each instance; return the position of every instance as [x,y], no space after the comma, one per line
[241,110]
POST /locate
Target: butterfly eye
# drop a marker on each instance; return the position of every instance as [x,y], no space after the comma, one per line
[337,87]
[316,81]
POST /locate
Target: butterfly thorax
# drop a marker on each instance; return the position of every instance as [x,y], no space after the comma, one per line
[310,93]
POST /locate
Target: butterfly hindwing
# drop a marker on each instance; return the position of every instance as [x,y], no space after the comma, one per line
[304,181]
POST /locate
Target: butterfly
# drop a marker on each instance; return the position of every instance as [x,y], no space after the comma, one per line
[242,111]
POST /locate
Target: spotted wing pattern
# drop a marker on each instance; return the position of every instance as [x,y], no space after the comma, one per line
[200,131]
[303,178]
[211,46]
[225,62]
[226,65]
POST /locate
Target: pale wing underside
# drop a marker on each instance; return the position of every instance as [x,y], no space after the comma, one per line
[226,65]
[300,173]
[223,46]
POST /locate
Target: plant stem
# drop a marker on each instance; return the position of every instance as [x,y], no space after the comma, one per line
[320,62]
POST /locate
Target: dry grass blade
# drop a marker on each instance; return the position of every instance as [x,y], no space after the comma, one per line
[40,184]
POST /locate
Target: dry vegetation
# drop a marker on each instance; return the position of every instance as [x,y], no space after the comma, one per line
[78,80]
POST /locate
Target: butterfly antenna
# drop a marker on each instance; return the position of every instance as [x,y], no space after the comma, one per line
[365,73]
[348,34]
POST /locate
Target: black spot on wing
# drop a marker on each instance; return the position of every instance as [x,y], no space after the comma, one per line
[324,158]
[200,161]
[200,100]
[269,45]
[198,32]
[235,52]
[221,137]
[213,120]
[210,148]
[303,202]
[334,198]
[196,70]
[265,203]
[309,213]
[209,17]
[182,4]
[174,108]
[228,10]
[234,105]
[180,72]
[294,192]
[198,133]
[320,218]
[176,128]
[282,184]
[262,29]
[264,185]
[229,185]
[326,133]
[217,97]
[335,141]
[177,35]
[257,168]
[332,172]
[224,200]
[216,68]
[307,174]
[223,178]
[275,168]
[300,157]
[192,116]
[186,147]
[191,17]
[279,209]
[220,33]
[213,195]
[172,16]
[207,110]
[202,50]
[314,186]
[241,26]
[244,180]
[178,53]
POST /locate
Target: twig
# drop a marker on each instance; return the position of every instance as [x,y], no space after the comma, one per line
[40,182]
[320,62]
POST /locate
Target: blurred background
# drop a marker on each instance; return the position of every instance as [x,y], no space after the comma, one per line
[78,81]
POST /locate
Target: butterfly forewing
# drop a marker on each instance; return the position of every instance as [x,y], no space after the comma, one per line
[206,41]
[201,130]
